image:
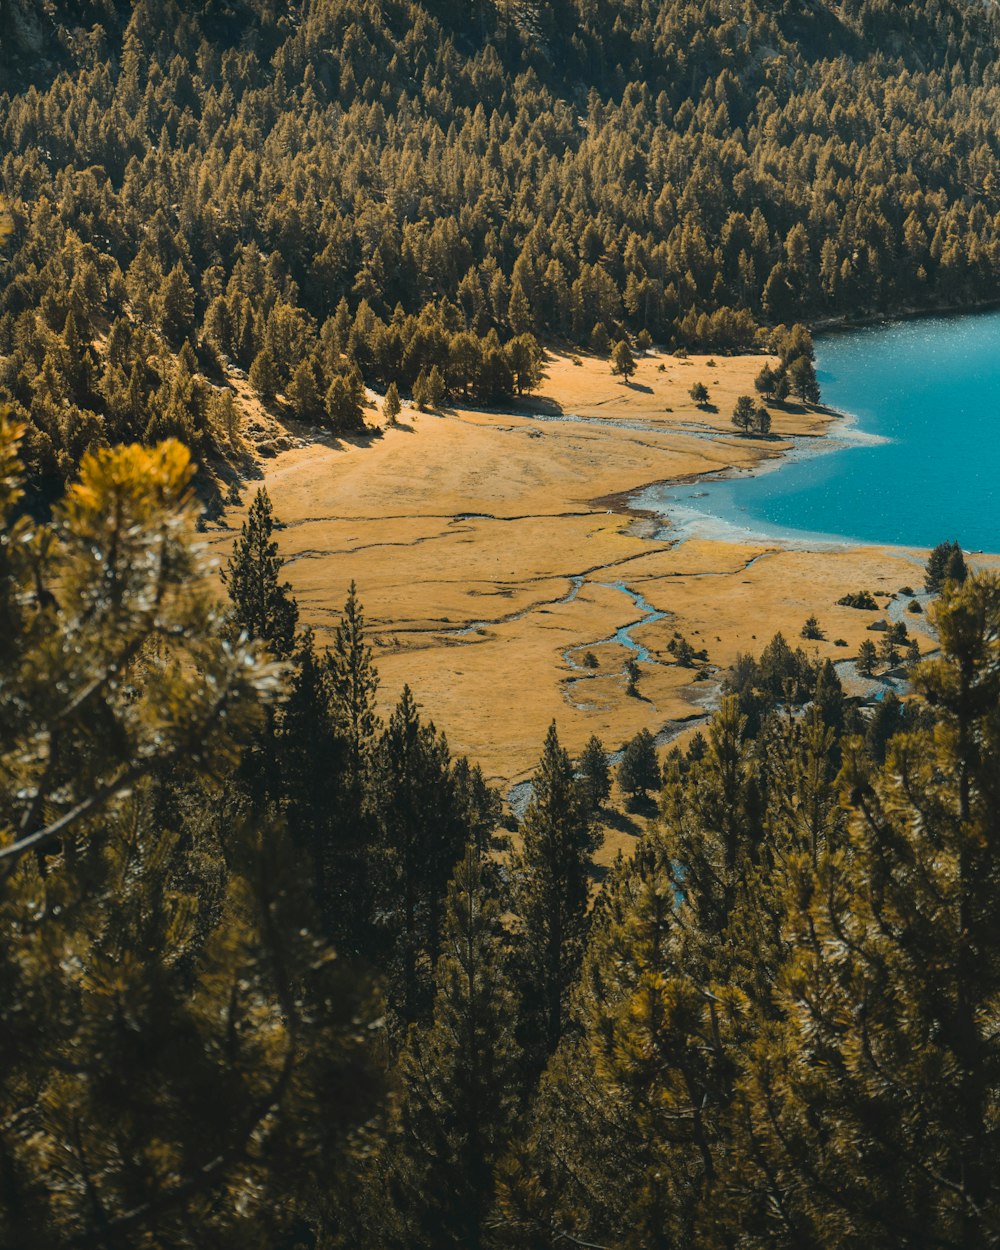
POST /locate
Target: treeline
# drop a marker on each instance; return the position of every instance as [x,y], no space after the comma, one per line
[347,192]
[273,977]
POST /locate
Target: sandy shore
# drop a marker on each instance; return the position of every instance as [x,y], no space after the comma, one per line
[494,551]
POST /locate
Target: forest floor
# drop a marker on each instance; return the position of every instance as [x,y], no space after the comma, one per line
[494,550]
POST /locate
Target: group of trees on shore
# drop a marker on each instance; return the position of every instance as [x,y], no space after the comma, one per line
[335,193]
[272,976]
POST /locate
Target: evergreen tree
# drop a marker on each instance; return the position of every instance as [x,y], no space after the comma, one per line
[459,1075]
[392,407]
[595,773]
[873,1108]
[419,838]
[801,375]
[178,1038]
[639,769]
[343,406]
[945,563]
[744,413]
[762,419]
[867,658]
[262,604]
[699,393]
[302,392]
[550,877]
[622,360]
[264,375]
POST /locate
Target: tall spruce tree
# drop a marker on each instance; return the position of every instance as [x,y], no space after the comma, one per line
[550,894]
[419,837]
[459,1075]
[262,603]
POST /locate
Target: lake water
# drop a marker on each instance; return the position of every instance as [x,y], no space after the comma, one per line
[920,462]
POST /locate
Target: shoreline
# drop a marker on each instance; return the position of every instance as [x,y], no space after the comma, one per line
[489,546]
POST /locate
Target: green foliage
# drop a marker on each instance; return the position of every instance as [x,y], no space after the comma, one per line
[744,413]
[550,876]
[179,1038]
[392,407]
[946,563]
[595,772]
[862,599]
[639,769]
[867,658]
[622,360]
[699,393]
[460,1077]
[811,629]
[262,605]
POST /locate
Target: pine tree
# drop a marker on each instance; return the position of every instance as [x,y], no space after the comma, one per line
[550,892]
[873,1108]
[459,1075]
[639,770]
[353,685]
[867,658]
[945,563]
[178,1039]
[264,375]
[302,392]
[419,839]
[595,773]
[343,407]
[392,407]
[176,306]
[622,360]
[744,413]
[262,604]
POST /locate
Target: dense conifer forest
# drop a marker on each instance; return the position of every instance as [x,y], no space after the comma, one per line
[278,973]
[337,191]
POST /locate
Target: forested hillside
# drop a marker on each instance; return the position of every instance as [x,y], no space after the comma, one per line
[334,191]
[271,979]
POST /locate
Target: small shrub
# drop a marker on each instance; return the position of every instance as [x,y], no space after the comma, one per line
[590,660]
[840,642]
[914,607]
[862,599]
[906,590]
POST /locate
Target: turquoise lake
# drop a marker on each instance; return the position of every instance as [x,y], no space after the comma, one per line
[930,391]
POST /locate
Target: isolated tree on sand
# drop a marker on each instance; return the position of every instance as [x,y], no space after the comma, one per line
[392,406]
[765,381]
[762,420]
[622,360]
[549,895]
[262,604]
[699,393]
[744,413]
